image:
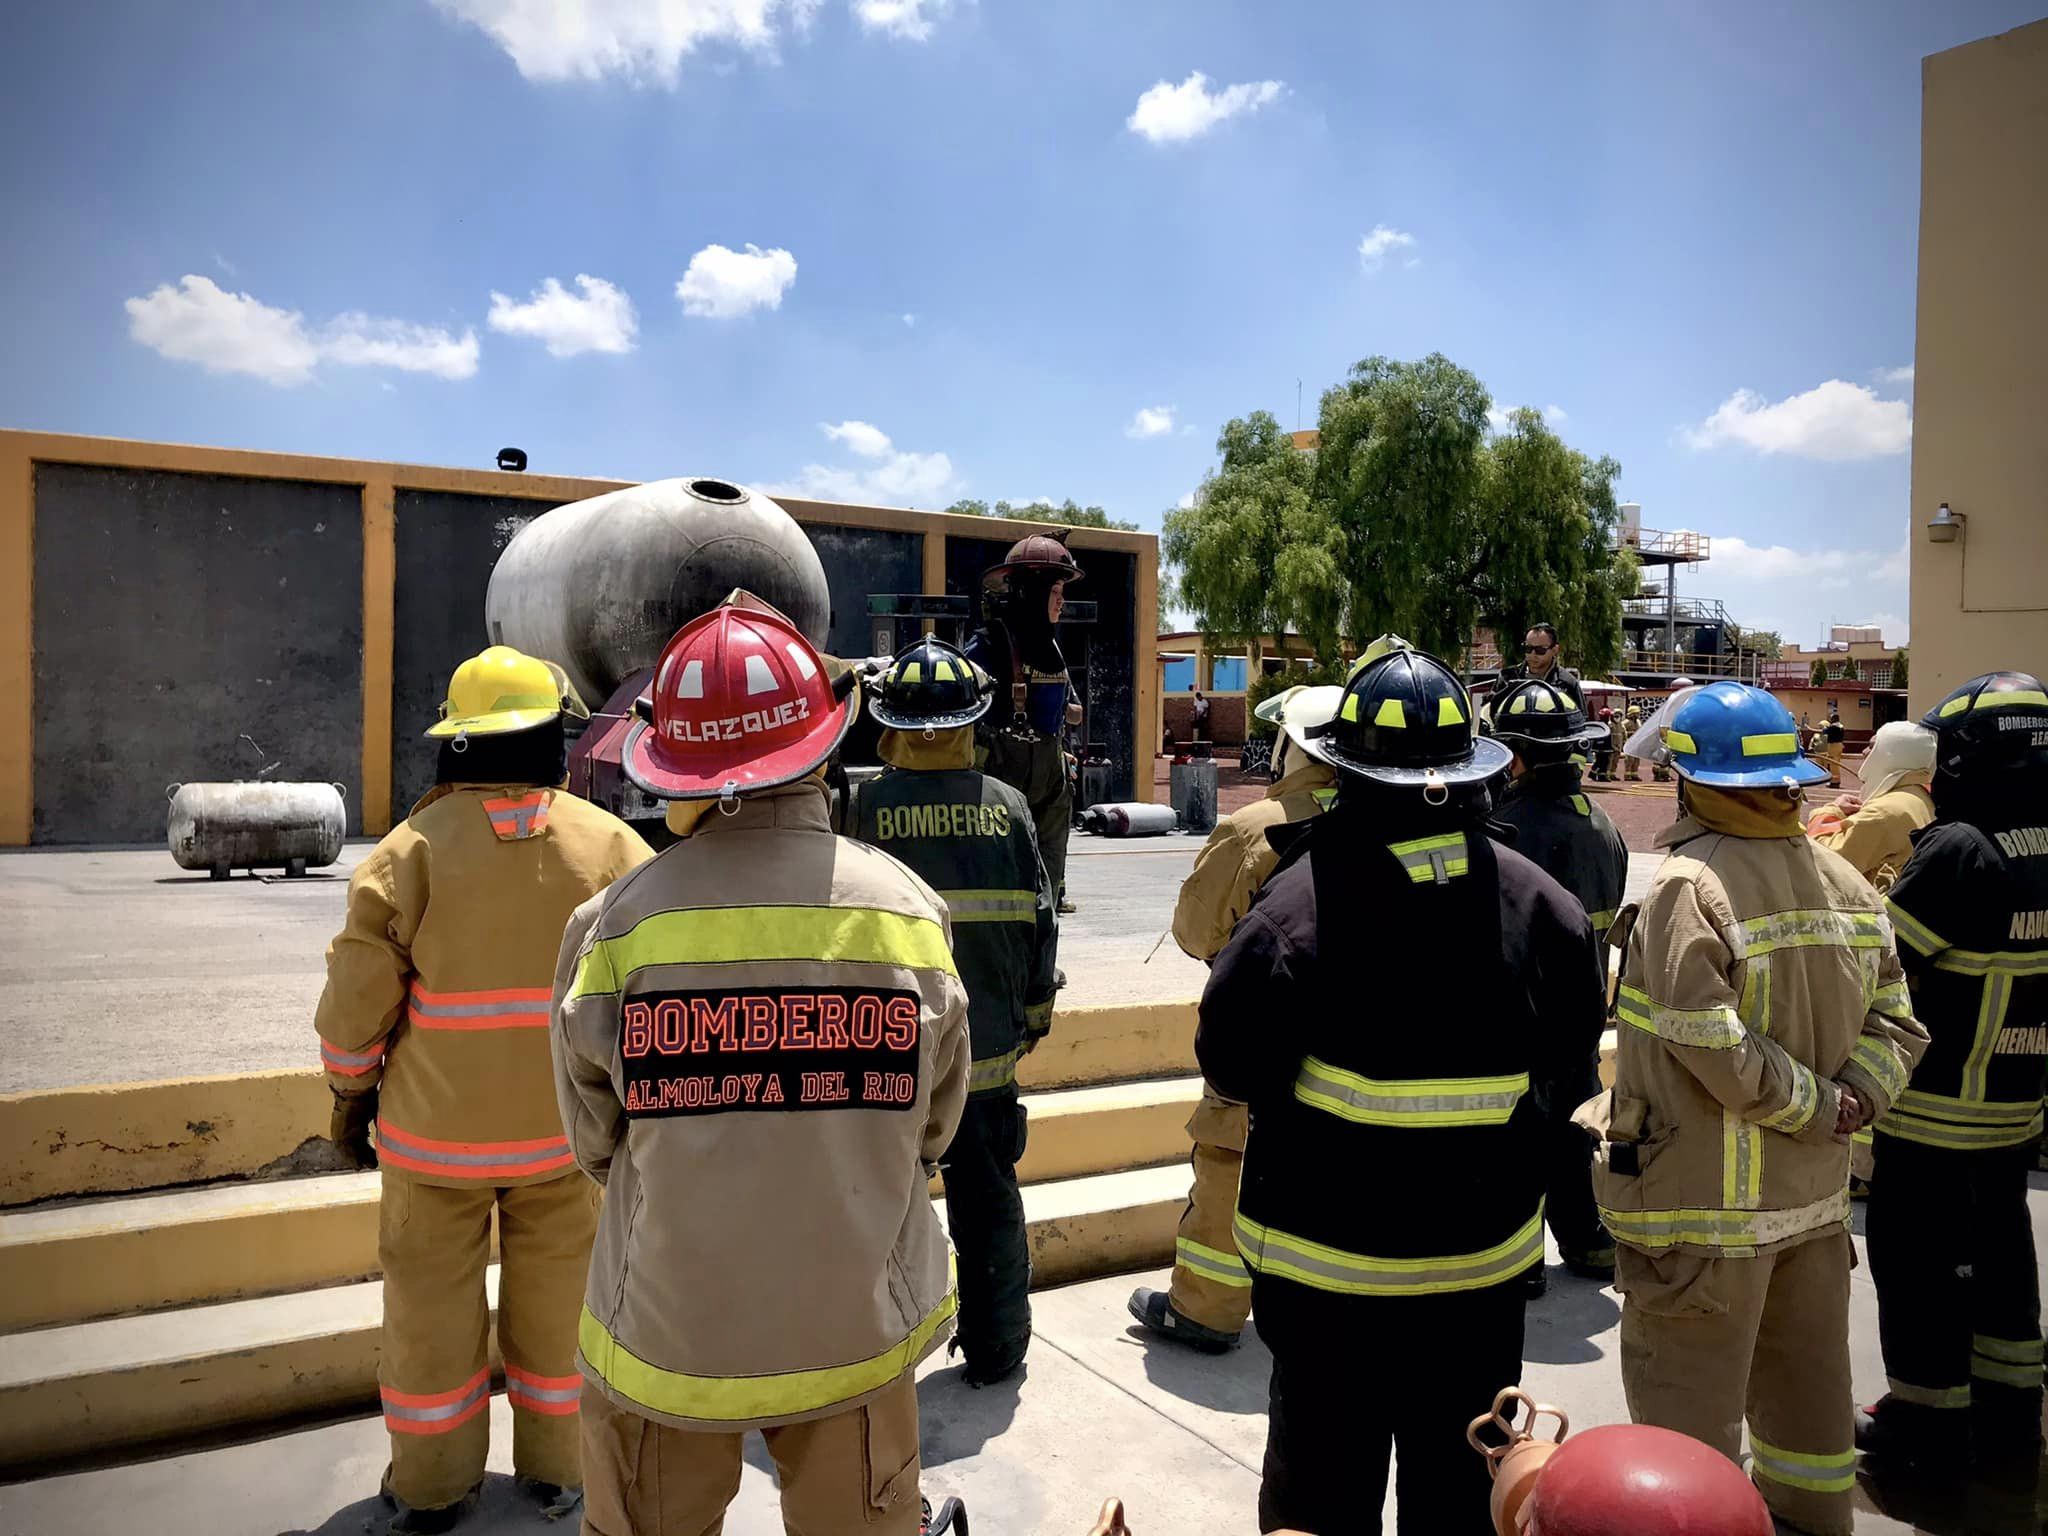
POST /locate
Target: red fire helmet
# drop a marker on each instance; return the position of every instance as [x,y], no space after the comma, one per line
[741,702]
[1638,1480]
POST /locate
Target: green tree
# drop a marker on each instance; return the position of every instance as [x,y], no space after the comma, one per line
[1849,672]
[1266,684]
[1398,468]
[1256,554]
[1899,669]
[1068,514]
[1818,677]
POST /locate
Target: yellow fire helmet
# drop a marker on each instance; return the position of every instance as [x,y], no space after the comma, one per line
[500,690]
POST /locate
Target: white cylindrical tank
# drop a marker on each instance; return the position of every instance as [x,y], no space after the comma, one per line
[1632,524]
[600,585]
[1129,819]
[253,825]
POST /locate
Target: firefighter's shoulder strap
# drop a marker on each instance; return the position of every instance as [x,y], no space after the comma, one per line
[1618,933]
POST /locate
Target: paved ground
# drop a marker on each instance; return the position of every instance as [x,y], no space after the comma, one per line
[1178,1436]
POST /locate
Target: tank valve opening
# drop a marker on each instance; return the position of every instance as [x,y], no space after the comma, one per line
[716,490]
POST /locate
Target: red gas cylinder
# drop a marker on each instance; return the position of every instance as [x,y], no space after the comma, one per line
[1638,1480]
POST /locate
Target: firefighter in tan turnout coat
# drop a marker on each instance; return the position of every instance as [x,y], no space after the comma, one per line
[433,1026]
[1764,1018]
[760,1042]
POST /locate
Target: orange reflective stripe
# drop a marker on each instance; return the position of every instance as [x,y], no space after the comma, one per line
[559,1396]
[471,1159]
[519,816]
[500,1008]
[435,1413]
[351,1063]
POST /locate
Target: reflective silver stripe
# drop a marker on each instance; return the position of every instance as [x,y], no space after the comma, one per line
[1269,1252]
[1907,1126]
[341,1058]
[1714,1029]
[1210,1263]
[1811,927]
[1433,859]
[514,1387]
[537,1008]
[1882,1064]
[1798,1110]
[1413,1103]
[441,1411]
[1831,1473]
[1928,1397]
[398,1145]
[2006,963]
[1737,1232]
[991,906]
[994,1071]
[1983,1112]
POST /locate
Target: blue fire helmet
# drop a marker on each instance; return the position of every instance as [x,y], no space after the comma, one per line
[1734,736]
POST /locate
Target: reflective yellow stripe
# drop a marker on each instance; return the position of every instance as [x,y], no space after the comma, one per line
[1882,1063]
[736,1399]
[1773,744]
[993,1071]
[1680,741]
[1913,931]
[734,935]
[1812,927]
[1391,715]
[1714,1029]
[1435,859]
[2009,698]
[1832,1472]
[1409,1103]
[1940,1106]
[1737,1233]
[1582,805]
[1893,1000]
[2009,1362]
[2009,963]
[1798,1111]
[2012,1351]
[1210,1263]
[1996,998]
[1907,1126]
[1755,1004]
[987,906]
[1742,1162]
[1602,921]
[1270,1252]
[1928,1397]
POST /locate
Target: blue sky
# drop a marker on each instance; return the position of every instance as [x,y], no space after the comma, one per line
[1002,248]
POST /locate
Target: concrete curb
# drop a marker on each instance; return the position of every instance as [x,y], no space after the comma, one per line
[135,1136]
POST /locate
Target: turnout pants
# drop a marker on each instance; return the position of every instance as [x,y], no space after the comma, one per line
[1706,1343]
[985,1214]
[855,1470]
[1210,1284]
[1568,1203]
[1628,768]
[1958,1295]
[434,1375]
[1036,767]
[1355,1377]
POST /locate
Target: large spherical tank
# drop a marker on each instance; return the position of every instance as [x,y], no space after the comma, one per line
[253,825]
[600,585]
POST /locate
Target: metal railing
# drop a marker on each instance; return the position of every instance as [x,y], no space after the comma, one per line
[1698,665]
[1681,545]
[1799,674]
[1687,610]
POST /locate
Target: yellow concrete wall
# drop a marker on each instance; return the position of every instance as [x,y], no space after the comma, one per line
[20,452]
[1981,363]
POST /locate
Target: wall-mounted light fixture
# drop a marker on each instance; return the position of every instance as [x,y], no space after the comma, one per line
[1945,527]
[513,460]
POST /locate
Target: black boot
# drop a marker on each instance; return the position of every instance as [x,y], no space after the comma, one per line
[427,1522]
[1929,1440]
[1155,1312]
[989,1364]
[951,1517]
[555,1501]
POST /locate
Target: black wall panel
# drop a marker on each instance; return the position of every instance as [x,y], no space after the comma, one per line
[858,563]
[447,543]
[176,614]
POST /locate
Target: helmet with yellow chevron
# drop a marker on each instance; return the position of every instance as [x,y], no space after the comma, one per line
[1406,719]
[1990,724]
[930,686]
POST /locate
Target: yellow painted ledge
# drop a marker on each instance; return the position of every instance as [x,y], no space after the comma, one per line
[136,1136]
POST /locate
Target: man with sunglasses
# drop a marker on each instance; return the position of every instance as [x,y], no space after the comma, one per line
[1543,660]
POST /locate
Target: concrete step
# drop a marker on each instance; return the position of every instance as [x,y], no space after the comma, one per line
[136,1253]
[66,1142]
[94,1388]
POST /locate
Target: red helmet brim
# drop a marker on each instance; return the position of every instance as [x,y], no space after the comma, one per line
[783,766]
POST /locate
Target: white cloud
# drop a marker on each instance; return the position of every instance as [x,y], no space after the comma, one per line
[1151,421]
[1798,591]
[1375,247]
[720,283]
[1173,114]
[869,442]
[1896,375]
[1835,421]
[1555,415]
[1186,501]
[910,20]
[640,41]
[911,321]
[891,477]
[357,340]
[1497,415]
[602,320]
[198,322]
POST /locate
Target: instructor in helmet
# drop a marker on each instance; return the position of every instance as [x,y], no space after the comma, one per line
[1210,1296]
[1764,1018]
[1020,741]
[1400,1009]
[760,1041]
[433,1028]
[1569,838]
[970,837]
[1951,1242]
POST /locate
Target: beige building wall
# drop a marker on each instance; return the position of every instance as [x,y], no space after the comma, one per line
[1980,417]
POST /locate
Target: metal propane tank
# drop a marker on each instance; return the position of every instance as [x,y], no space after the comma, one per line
[255,825]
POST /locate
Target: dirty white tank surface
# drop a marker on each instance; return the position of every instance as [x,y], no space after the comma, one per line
[253,825]
[599,586]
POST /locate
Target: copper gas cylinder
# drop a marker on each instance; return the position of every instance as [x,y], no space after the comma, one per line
[1515,1463]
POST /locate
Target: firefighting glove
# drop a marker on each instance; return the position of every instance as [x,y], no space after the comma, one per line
[348,1126]
[1037,1024]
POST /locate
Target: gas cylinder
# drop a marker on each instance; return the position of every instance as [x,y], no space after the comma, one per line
[256,825]
[600,585]
[1128,819]
[1521,1454]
